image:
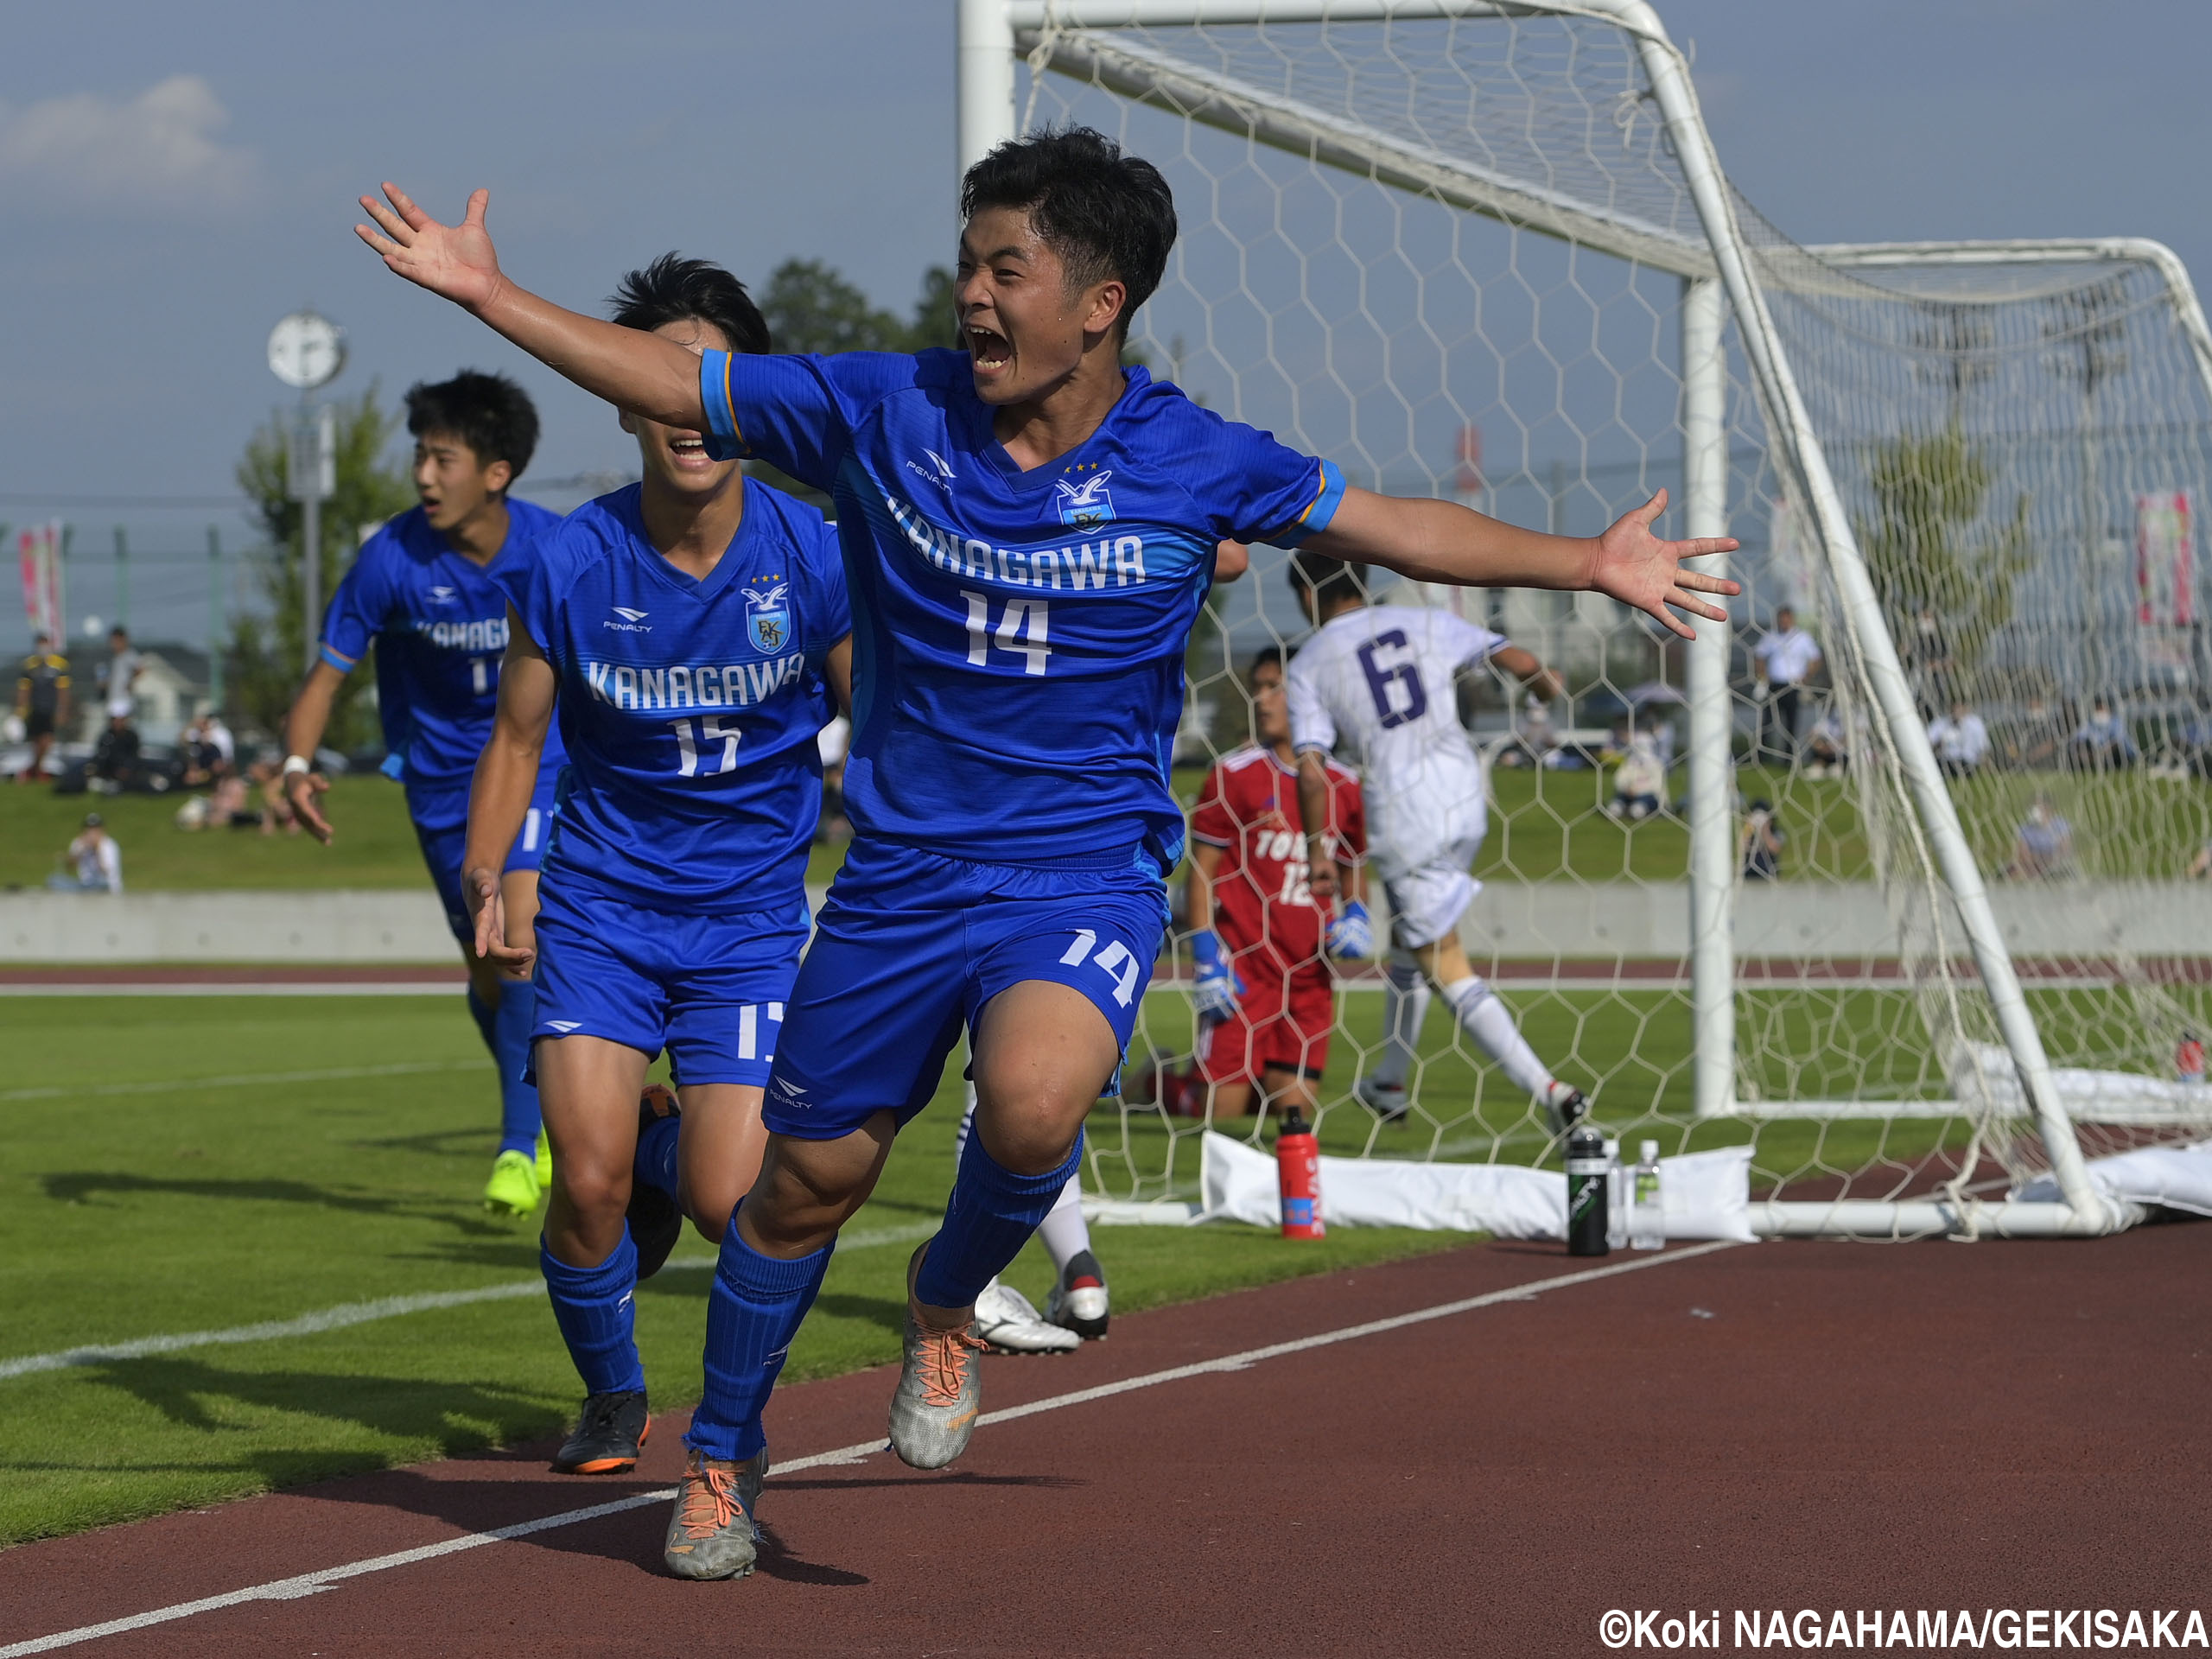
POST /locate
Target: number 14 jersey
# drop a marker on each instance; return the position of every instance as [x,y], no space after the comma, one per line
[1378,685]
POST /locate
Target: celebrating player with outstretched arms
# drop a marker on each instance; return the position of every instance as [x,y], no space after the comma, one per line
[421,590]
[694,628]
[1029,531]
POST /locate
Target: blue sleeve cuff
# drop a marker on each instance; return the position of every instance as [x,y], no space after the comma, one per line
[723,439]
[343,664]
[1323,507]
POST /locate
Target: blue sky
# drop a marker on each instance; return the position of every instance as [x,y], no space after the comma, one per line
[175,178]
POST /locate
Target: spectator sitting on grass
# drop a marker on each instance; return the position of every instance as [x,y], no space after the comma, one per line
[2101,742]
[1960,739]
[229,807]
[2043,847]
[209,751]
[1827,753]
[2039,741]
[1640,784]
[98,859]
[1758,850]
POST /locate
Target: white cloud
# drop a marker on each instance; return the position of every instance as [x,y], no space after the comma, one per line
[159,149]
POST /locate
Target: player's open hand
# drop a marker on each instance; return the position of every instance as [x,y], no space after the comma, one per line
[303,793]
[488,909]
[1633,566]
[456,261]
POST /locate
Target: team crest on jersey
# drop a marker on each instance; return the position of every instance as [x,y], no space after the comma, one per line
[1084,505]
[441,595]
[768,617]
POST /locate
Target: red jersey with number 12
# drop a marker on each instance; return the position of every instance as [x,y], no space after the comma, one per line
[1249,808]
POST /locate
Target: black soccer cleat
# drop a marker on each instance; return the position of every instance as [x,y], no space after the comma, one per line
[1078,1302]
[610,1433]
[655,1222]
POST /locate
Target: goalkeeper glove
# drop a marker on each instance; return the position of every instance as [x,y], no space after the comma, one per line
[1217,985]
[1350,934]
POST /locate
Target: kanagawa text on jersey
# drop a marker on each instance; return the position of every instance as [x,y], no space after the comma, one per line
[706,685]
[1109,561]
[489,634]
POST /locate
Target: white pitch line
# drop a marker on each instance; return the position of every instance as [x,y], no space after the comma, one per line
[384,1307]
[242,1080]
[308,1584]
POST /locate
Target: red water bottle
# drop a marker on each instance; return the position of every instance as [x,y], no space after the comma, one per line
[1298,1166]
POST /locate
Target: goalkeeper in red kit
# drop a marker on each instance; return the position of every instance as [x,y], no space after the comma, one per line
[1260,942]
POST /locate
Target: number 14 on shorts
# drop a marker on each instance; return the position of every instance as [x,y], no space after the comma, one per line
[1116,961]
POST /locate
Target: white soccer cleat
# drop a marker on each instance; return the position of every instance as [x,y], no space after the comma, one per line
[1009,1322]
[1564,1107]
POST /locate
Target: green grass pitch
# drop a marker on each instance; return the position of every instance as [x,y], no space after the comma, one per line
[135,1202]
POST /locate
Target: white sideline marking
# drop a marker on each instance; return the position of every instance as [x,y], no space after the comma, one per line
[242,1080]
[384,1307]
[308,1584]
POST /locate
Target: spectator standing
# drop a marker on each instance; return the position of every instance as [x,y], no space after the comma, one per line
[2043,847]
[1785,658]
[120,678]
[1758,851]
[97,858]
[42,701]
[2101,742]
[1928,652]
[1961,741]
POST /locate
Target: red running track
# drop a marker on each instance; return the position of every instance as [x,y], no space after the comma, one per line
[1785,1425]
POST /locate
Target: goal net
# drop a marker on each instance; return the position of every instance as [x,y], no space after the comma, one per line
[1485,252]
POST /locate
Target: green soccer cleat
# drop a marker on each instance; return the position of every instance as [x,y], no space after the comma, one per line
[544,1163]
[512,1190]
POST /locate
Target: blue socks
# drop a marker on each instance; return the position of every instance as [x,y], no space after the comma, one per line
[753,1314]
[991,1215]
[510,1024]
[597,1315]
[487,1017]
[656,1160]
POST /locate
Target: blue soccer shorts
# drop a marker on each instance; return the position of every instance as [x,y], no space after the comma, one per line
[445,838]
[910,945]
[709,989]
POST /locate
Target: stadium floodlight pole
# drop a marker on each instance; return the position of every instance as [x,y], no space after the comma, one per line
[1664,67]
[1713,821]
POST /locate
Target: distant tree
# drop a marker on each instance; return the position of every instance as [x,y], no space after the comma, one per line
[811,307]
[1929,494]
[266,650]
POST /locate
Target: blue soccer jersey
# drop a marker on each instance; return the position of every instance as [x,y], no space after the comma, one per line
[691,710]
[440,623]
[1018,636]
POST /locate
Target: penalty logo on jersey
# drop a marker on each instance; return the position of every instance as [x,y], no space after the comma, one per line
[1086,505]
[768,617]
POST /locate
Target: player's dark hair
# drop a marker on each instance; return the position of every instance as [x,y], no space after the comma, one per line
[1106,214]
[675,289]
[488,412]
[1262,656]
[1328,580]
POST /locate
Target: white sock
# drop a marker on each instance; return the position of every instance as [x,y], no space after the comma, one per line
[1485,1020]
[1405,1005]
[967,1125]
[1064,1231]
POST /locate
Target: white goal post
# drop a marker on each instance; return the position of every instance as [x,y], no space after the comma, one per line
[1575,122]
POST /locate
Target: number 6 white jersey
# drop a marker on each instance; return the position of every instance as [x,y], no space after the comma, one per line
[1378,686]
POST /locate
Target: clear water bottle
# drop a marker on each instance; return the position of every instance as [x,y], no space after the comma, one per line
[1615,1198]
[1647,1222]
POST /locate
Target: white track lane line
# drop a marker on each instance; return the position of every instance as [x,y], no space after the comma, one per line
[329,1578]
[384,1307]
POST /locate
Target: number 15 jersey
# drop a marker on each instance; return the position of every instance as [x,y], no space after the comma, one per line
[1018,636]
[1379,685]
